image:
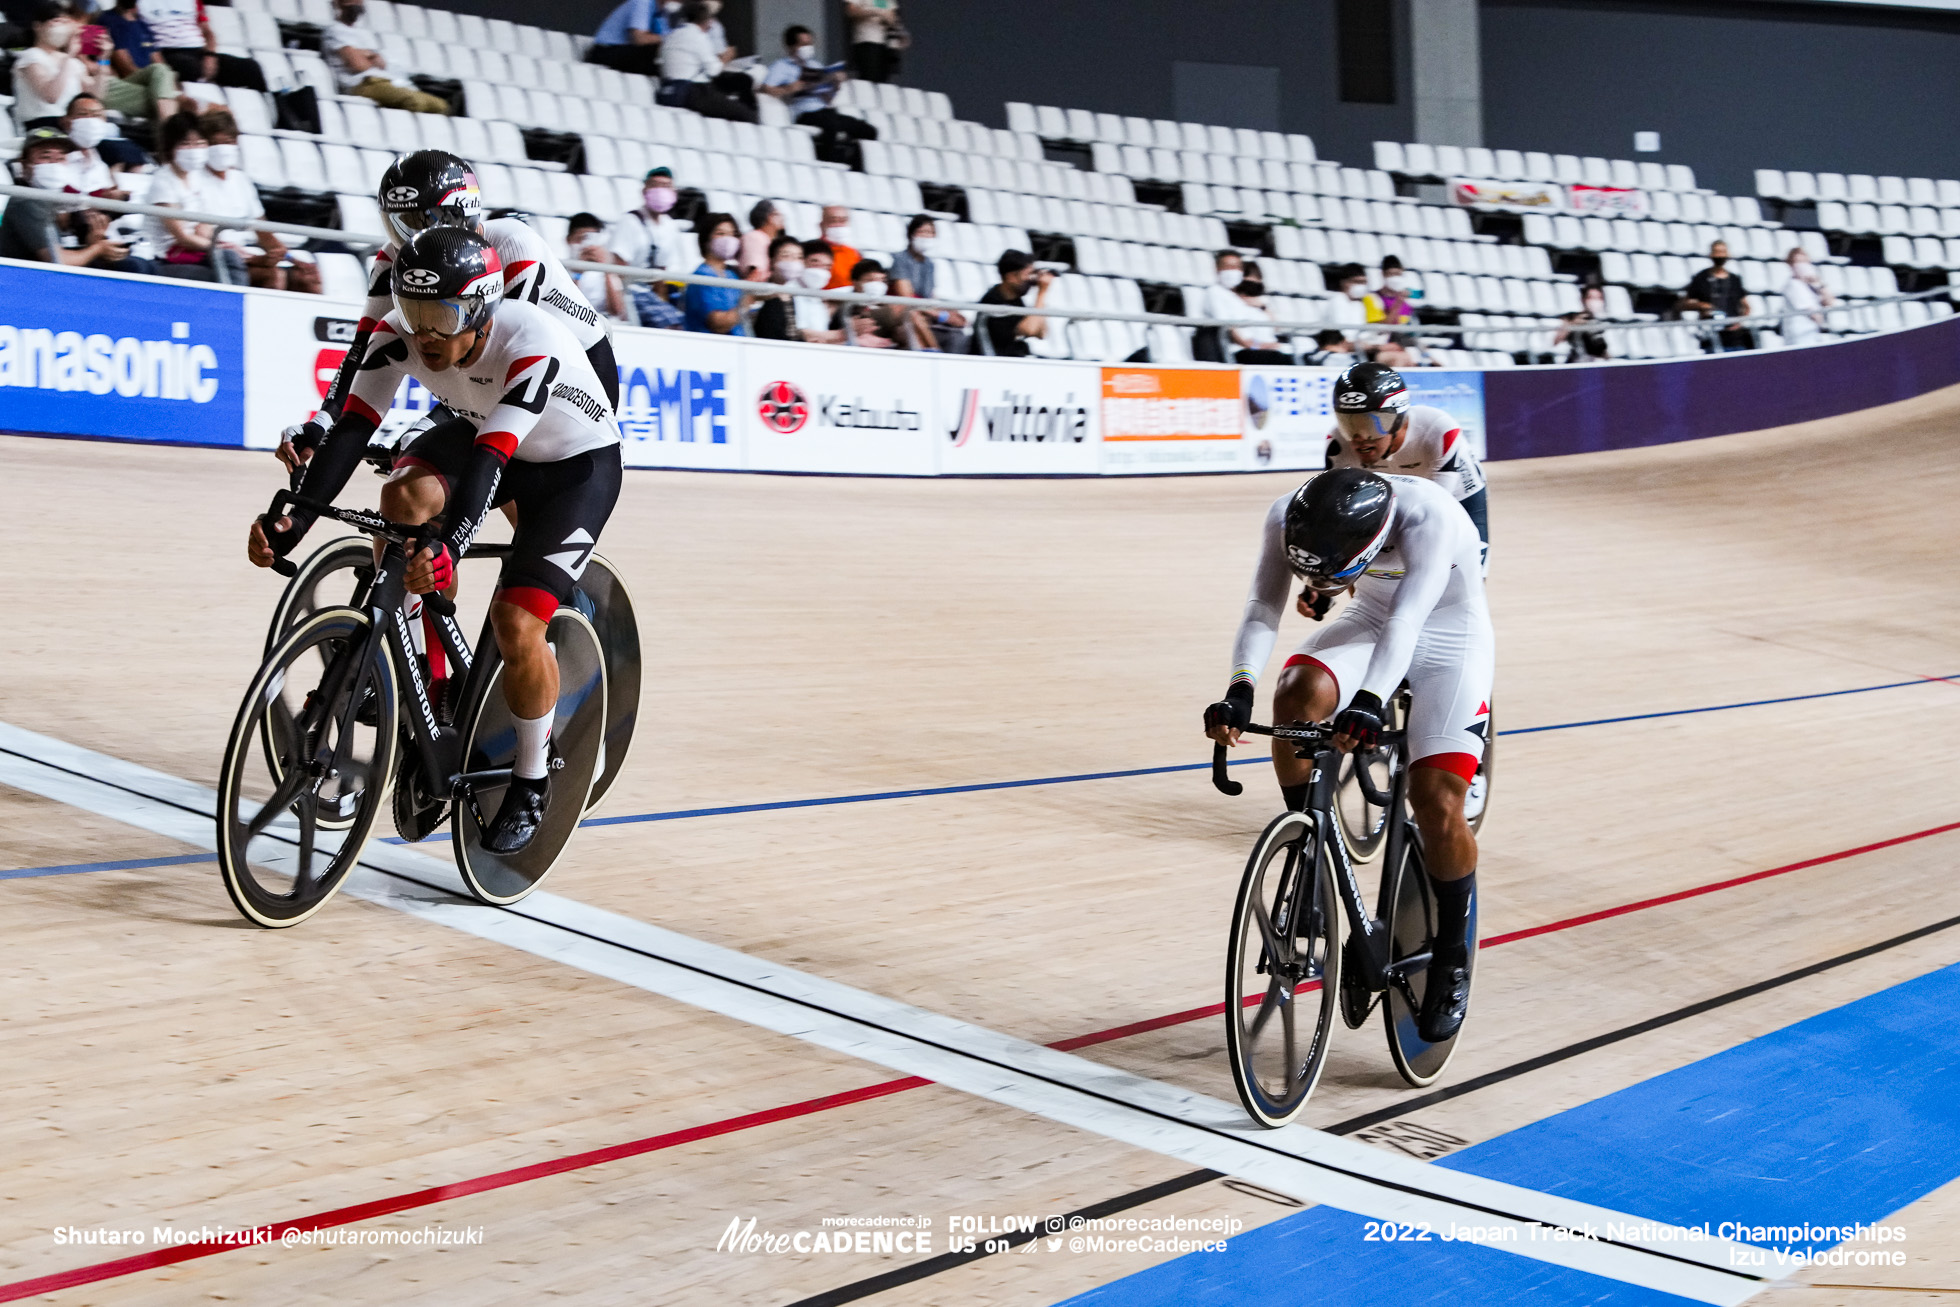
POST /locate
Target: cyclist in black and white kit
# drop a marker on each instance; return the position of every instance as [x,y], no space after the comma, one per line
[432,188]
[1377,429]
[531,427]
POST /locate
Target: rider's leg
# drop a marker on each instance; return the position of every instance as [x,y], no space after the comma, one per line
[530,671]
[1436,793]
[1306,692]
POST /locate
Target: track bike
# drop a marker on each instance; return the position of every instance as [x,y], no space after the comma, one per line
[340,717]
[1361,799]
[1287,969]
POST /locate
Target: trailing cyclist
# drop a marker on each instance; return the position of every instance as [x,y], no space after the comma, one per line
[432,188]
[532,427]
[1412,559]
[1377,429]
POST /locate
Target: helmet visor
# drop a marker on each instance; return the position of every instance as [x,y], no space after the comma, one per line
[404,223]
[1381,424]
[439,317]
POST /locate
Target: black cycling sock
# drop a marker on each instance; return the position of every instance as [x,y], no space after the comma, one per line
[1295,796]
[1453,911]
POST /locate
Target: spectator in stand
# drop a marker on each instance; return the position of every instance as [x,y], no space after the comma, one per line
[878,38]
[1391,304]
[585,240]
[629,39]
[813,314]
[649,237]
[836,224]
[1330,350]
[185,39]
[1584,345]
[713,308]
[1718,293]
[765,225]
[192,251]
[801,81]
[49,73]
[1257,341]
[869,325]
[359,67]
[797,317]
[691,70]
[1805,294]
[1221,302]
[228,191]
[141,84]
[1007,334]
[33,230]
[914,274]
[87,125]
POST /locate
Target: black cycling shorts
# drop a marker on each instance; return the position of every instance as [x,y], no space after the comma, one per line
[561,509]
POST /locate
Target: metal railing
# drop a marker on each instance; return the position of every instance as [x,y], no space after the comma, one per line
[1288,329]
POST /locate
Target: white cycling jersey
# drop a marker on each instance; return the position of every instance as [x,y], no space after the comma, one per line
[1418,613]
[532,274]
[530,390]
[1432,446]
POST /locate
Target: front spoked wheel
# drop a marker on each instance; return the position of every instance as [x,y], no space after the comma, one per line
[306,768]
[1361,795]
[1283,970]
[1411,934]
[335,575]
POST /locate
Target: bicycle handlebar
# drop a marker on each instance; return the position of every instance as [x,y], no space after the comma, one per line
[361,520]
[1306,733]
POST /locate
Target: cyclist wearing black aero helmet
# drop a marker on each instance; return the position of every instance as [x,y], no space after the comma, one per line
[1412,560]
[433,188]
[530,427]
[1377,429]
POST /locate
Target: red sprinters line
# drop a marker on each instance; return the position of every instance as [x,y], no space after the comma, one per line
[264,1235]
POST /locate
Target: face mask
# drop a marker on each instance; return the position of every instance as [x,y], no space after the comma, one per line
[1799,266]
[224,157]
[871,288]
[724,247]
[659,199]
[838,235]
[1395,283]
[1595,306]
[87,133]
[789,270]
[815,278]
[51,176]
[922,245]
[59,34]
[1358,291]
[806,54]
[1229,278]
[189,158]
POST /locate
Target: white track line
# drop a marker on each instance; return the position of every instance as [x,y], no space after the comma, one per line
[1306,1164]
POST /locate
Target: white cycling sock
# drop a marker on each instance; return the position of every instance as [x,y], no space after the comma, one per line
[533,736]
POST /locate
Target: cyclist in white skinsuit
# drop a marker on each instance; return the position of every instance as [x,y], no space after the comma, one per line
[1414,562]
[1378,430]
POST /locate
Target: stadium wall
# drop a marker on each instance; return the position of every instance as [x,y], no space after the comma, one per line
[98,355]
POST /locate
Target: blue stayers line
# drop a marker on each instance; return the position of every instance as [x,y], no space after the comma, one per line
[880,796]
[75,868]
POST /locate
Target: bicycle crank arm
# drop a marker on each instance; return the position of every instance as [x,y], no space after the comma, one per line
[467,783]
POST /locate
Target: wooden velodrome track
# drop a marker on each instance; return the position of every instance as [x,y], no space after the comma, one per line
[809,638]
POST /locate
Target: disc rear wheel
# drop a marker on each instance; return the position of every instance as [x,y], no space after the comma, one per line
[1412,932]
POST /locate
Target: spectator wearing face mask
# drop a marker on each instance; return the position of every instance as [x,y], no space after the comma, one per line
[49,73]
[87,125]
[1806,295]
[869,325]
[797,317]
[1584,345]
[1007,334]
[1717,292]
[190,47]
[693,58]
[1392,304]
[1220,301]
[192,251]
[837,235]
[31,230]
[803,83]
[765,225]
[629,39]
[227,190]
[359,67]
[141,84]
[1257,341]
[713,308]
[649,237]
[585,240]
[915,274]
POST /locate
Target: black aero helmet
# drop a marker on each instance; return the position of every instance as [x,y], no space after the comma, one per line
[1371,401]
[429,188]
[1336,523]
[447,280]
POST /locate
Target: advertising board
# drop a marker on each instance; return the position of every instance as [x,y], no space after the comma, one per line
[1171,420]
[1035,419]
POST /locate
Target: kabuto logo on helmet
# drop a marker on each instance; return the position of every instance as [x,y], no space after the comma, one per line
[401,195]
[1353,397]
[420,278]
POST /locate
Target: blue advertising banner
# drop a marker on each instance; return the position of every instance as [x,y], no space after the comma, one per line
[124,357]
[1459,394]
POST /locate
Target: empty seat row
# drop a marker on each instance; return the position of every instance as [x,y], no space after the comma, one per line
[1088,128]
[1776,184]
[1887,219]
[1124,222]
[1922,252]
[952,134]
[1564,232]
[1236,170]
[437,24]
[856,96]
[1446,161]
